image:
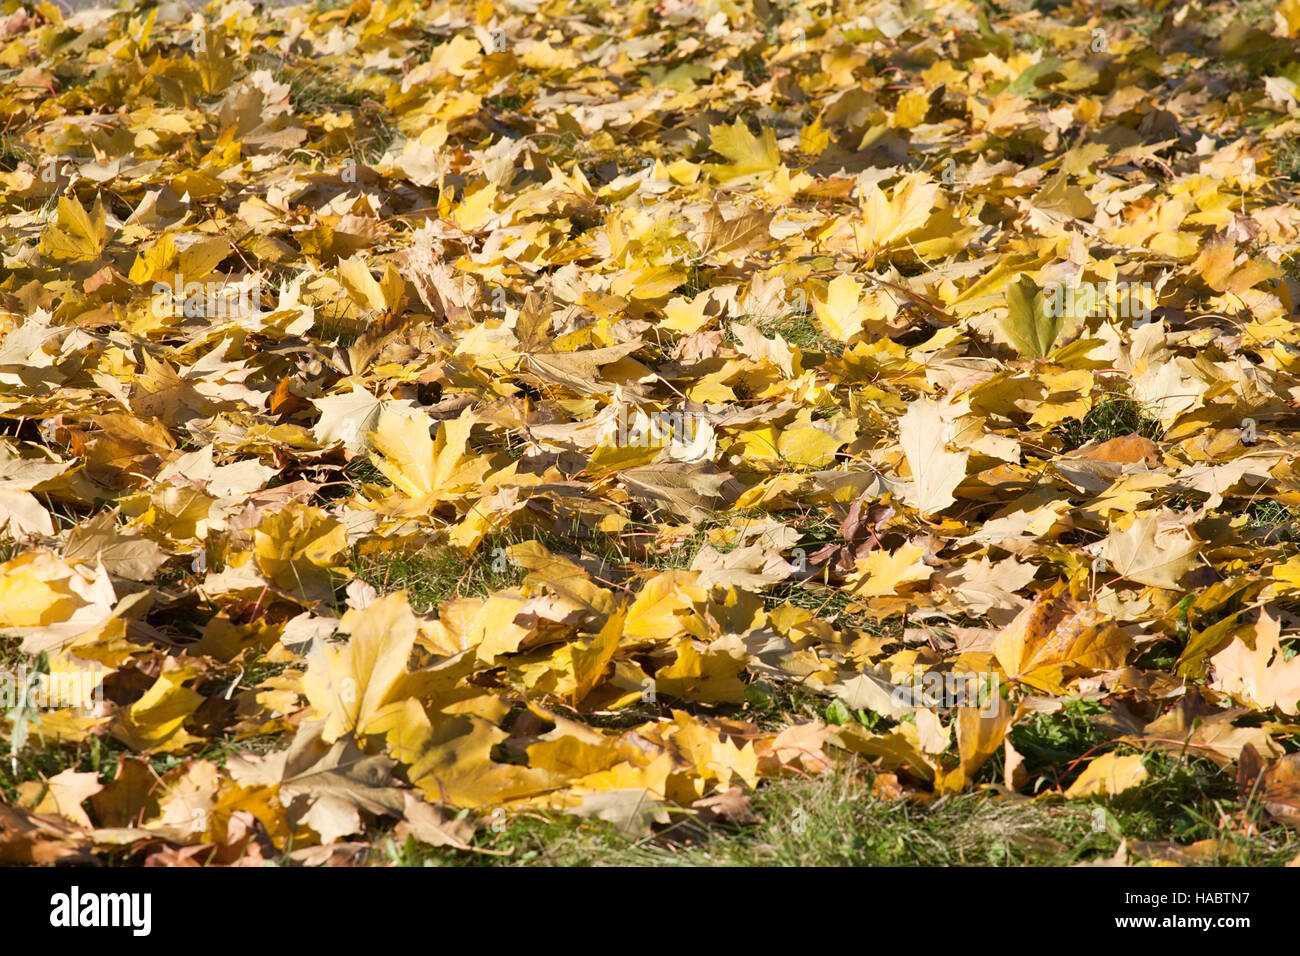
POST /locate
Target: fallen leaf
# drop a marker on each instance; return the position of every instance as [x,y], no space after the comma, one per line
[1108,775]
[935,471]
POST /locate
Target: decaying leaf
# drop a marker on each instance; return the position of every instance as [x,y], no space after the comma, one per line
[1057,637]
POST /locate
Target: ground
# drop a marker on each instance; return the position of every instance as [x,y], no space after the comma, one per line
[652,433]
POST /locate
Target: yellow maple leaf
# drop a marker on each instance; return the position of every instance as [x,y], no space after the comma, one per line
[156,262]
[1286,18]
[457,767]
[1031,323]
[665,608]
[884,220]
[1148,554]
[350,685]
[936,472]
[749,154]
[299,550]
[712,756]
[75,235]
[980,732]
[368,292]
[709,675]
[882,572]
[813,140]
[842,313]
[422,467]
[1259,677]
[154,723]
[1055,638]
[1108,775]
[591,659]
[912,107]
[476,208]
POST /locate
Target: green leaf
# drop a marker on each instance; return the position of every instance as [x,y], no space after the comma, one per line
[760,696]
[1026,84]
[1029,323]
[838,713]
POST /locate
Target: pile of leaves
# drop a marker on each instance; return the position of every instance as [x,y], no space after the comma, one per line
[415,415]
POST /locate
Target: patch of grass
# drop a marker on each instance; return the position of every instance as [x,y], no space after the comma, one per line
[1050,743]
[697,280]
[372,149]
[1181,800]
[1287,160]
[801,330]
[250,674]
[1161,655]
[337,327]
[362,471]
[433,575]
[505,102]
[672,552]
[829,604]
[311,93]
[33,762]
[358,471]
[11,652]
[1274,520]
[1025,40]
[13,153]
[1114,416]
[780,704]
[753,65]
[173,572]
[831,820]
[835,820]
[1255,12]
[815,528]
